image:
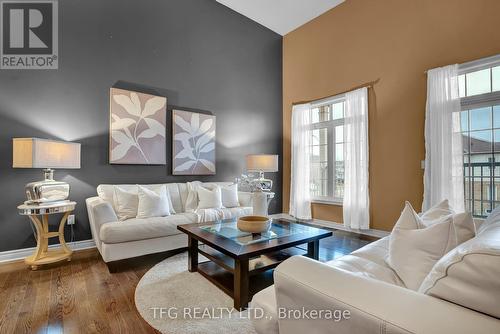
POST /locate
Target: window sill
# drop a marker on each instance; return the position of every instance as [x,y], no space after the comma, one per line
[327,202]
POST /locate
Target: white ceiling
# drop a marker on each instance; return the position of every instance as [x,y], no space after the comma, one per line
[281,16]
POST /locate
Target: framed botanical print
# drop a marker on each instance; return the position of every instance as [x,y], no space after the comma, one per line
[193,144]
[137,128]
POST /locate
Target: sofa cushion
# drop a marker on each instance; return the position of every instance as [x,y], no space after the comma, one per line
[414,248]
[230,196]
[463,223]
[152,203]
[465,229]
[493,217]
[469,274]
[178,193]
[369,261]
[123,198]
[245,198]
[436,212]
[228,213]
[126,202]
[376,251]
[175,196]
[147,228]
[366,268]
[208,215]
[209,198]
[106,193]
[192,197]
[104,213]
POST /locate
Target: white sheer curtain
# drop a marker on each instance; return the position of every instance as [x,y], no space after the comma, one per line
[356,204]
[443,176]
[300,196]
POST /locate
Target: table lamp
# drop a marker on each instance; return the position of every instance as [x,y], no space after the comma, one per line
[48,155]
[262,163]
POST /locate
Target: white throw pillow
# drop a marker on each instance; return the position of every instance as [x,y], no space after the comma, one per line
[414,248]
[157,188]
[465,229]
[126,203]
[170,204]
[469,274]
[169,196]
[104,213]
[439,210]
[492,218]
[209,199]
[463,223]
[152,203]
[230,196]
[192,197]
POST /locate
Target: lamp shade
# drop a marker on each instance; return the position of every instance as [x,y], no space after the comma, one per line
[262,163]
[45,153]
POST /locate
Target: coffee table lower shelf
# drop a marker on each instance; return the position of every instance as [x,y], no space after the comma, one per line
[241,279]
[224,280]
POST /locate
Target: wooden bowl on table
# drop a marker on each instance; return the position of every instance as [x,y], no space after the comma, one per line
[254,224]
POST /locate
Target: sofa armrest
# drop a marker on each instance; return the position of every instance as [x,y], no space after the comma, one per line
[245,198]
[374,306]
[99,212]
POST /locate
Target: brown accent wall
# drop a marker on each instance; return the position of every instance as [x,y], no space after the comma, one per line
[392,42]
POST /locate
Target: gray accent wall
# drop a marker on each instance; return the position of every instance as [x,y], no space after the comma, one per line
[198,53]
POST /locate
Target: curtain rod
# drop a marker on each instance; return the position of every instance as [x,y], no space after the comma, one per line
[477,63]
[367,85]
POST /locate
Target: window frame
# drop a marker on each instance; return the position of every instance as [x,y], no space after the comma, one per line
[330,125]
[478,65]
[468,103]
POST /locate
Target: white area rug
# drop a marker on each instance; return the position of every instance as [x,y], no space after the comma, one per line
[175,301]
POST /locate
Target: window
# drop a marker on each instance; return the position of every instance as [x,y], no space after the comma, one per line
[479,87]
[327,150]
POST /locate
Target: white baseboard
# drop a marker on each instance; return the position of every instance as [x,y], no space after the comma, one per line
[19,254]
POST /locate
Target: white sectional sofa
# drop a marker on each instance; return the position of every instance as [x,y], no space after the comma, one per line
[117,240]
[464,297]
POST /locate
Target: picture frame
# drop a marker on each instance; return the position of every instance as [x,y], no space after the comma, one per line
[137,134]
[193,143]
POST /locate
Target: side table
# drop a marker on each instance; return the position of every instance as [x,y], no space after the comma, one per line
[42,254]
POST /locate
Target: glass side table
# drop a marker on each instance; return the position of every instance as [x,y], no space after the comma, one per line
[39,215]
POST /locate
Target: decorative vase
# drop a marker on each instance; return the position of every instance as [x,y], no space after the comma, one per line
[260,203]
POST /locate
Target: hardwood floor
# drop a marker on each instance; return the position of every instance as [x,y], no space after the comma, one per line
[81,296]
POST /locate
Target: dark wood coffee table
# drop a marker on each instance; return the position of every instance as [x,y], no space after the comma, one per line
[235,257]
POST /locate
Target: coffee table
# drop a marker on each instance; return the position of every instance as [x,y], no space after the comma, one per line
[240,263]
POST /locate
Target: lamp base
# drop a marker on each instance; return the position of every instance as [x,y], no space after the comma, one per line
[46,191]
[264,184]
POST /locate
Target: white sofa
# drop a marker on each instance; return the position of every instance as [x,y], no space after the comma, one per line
[117,240]
[377,299]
